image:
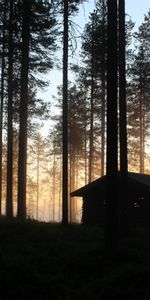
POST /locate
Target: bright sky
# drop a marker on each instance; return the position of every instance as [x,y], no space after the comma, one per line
[135,8]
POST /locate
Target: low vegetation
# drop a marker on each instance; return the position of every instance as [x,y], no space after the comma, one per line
[48,261]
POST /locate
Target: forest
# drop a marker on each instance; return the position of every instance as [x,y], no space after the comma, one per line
[93,131]
[36,170]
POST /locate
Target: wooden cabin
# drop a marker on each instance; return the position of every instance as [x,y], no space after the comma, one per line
[138,202]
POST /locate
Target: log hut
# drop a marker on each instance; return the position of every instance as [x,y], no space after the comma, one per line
[138,202]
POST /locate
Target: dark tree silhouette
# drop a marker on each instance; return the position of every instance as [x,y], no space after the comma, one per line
[22,160]
[94,59]
[122,89]
[91,148]
[111,226]
[103,79]
[138,95]
[65,119]
[2,99]
[122,120]
[9,199]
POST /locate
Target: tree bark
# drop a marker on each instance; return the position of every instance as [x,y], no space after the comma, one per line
[141,117]
[111,225]
[22,160]
[85,145]
[54,182]
[9,187]
[122,89]
[122,121]
[72,182]
[103,120]
[91,114]
[2,101]
[37,178]
[103,103]
[65,120]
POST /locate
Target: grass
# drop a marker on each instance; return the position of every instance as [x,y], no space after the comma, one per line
[47,261]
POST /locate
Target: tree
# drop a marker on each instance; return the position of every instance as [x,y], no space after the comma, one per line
[111,226]
[65,119]
[122,118]
[103,79]
[138,97]
[2,97]
[122,90]
[34,24]
[67,9]
[9,206]
[55,143]
[22,159]
[91,112]
[39,159]
[76,130]
[94,59]
[41,46]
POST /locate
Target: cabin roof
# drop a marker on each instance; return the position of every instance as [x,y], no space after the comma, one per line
[99,183]
[142,178]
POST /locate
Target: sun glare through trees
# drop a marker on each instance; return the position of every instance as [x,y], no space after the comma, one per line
[38,171]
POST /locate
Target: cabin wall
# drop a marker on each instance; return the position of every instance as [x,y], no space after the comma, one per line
[138,210]
[93,210]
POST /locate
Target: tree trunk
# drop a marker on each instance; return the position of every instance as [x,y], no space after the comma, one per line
[9,193]
[103,80]
[91,116]
[37,178]
[59,190]
[2,101]
[85,145]
[103,130]
[22,160]
[111,225]
[72,182]
[141,130]
[122,121]
[141,114]
[65,120]
[122,89]
[143,141]
[54,183]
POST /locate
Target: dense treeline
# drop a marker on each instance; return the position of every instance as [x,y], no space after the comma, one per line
[28,36]
[30,164]
[88,98]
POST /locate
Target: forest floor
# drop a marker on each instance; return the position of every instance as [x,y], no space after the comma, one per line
[47,261]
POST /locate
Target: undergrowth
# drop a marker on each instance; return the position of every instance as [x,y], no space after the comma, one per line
[48,261]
